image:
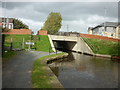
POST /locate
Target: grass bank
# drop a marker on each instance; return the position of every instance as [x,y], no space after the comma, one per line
[103,46]
[41,77]
[17,40]
[7,55]
[43,43]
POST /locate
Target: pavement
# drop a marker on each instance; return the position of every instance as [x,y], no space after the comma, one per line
[16,73]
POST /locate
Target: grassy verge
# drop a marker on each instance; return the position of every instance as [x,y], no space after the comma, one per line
[7,55]
[43,44]
[40,77]
[104,46]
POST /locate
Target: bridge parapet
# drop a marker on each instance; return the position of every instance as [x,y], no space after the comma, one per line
[64,38]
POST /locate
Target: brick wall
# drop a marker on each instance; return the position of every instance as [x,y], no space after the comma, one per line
[19,31]
[99,37]
[42,32]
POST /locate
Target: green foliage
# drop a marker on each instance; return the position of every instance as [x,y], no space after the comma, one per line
[4,29]
[43,43]
[53,23]
[104,46]
[19,24]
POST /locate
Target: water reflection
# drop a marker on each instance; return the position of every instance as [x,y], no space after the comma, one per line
[82,71]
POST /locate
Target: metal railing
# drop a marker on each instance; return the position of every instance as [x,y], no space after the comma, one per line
[68,34]
[94,48]
[50,48]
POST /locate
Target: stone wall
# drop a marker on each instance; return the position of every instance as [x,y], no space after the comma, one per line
[42,32]
[19,31]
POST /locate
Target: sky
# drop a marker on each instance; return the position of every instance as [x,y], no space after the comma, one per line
[78,16]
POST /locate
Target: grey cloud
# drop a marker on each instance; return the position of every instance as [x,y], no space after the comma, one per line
[13,5]
[70,11]
[78,9]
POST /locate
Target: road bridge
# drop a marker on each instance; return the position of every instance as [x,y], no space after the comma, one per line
[73,43]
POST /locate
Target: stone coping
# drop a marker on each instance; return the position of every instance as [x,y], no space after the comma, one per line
[53,79]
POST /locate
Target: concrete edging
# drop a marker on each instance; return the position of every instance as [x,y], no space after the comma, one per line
[53,79]
[101,55]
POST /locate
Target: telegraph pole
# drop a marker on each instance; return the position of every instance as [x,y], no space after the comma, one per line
[105,10]
[67,28]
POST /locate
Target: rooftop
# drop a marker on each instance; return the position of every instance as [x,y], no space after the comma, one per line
[107,24]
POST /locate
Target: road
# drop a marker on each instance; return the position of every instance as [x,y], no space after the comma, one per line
[16,73]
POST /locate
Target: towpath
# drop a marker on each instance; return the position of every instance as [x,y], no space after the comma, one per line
[16,73]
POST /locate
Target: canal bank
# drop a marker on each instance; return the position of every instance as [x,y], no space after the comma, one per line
[42,76]
[86,71]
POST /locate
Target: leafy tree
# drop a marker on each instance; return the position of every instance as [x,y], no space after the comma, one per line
[3,37]
[53,23]
[4,29]
[18,24]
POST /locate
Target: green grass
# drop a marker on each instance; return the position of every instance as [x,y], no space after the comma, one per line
[43,44]
[16,40]
[7,55]
[40,77]
[104,46]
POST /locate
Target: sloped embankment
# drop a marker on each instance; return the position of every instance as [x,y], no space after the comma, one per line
[42,76]
[105,47]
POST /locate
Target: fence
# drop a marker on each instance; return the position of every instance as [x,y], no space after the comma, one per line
[13,45]
[68,34]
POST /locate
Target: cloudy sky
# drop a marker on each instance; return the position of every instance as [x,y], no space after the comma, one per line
[77,15]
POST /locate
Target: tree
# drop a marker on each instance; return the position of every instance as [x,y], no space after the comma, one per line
[19,24]
[3,37]
[53,23]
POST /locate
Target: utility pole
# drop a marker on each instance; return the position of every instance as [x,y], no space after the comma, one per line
[105,10]
[67,28]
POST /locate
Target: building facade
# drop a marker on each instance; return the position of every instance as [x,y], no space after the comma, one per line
[108,29]
[6,23]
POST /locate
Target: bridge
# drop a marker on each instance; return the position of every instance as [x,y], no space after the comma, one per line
[72,43]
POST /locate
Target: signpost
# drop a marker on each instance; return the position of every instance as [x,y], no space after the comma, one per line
[29,43]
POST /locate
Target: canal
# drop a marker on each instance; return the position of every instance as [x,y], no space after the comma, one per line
[83,71]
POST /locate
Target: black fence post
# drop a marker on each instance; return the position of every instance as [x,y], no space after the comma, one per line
[11,46]
[56,50]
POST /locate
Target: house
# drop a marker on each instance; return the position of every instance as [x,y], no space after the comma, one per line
[19,31]
[108,29]
[42,32]
[6,23]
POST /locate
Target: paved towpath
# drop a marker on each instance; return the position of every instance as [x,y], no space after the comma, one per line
[16,73]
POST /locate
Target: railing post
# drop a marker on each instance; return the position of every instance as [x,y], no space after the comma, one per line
[56,51]
[49,50]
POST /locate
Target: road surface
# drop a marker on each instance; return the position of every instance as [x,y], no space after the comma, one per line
[16,73]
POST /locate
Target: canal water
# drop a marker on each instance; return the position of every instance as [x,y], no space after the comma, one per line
[83,71]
